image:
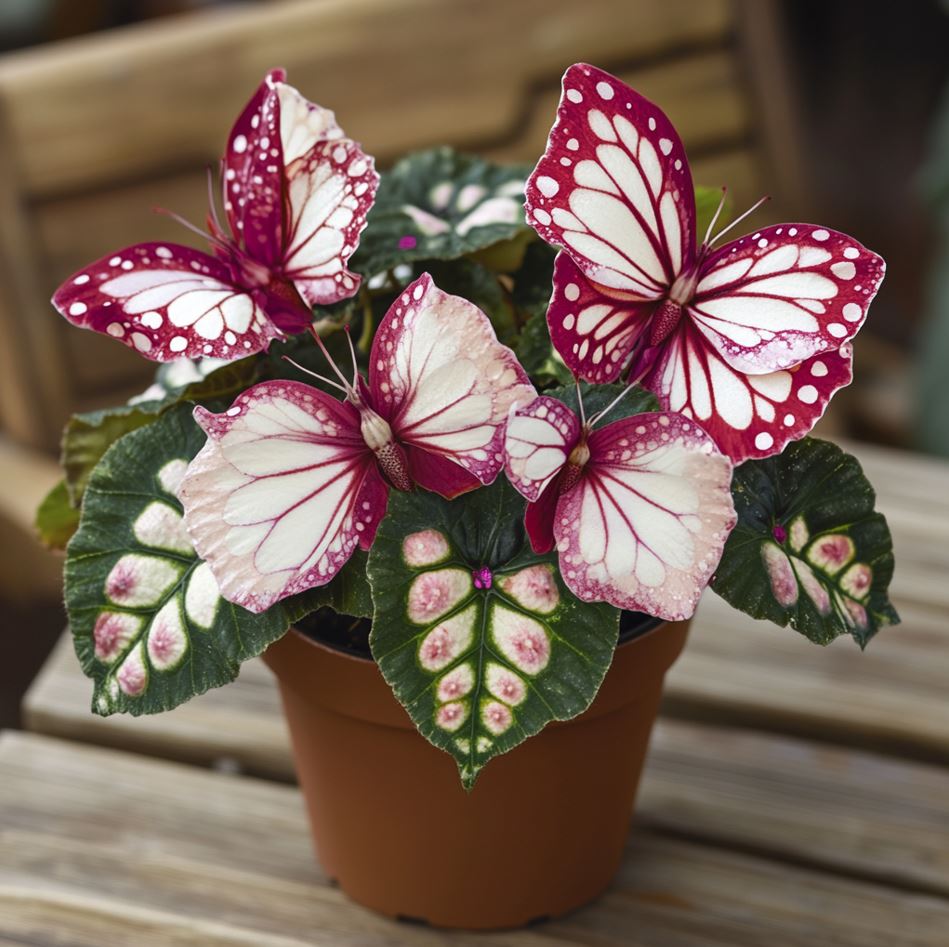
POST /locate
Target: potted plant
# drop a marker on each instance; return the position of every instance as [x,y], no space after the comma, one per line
[457,468]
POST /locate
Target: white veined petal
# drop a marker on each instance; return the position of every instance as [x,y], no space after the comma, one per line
[281,493]
[646,524]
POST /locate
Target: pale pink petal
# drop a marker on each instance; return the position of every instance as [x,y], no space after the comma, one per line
[440,377]
[749,416]
[166,301]
[537,443]
[594,329]
[784,294]
[645,526]
[614,188]
[282,492]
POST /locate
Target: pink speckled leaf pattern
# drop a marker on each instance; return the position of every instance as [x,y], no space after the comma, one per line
[474,632]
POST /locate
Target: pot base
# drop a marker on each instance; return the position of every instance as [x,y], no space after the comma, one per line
[542,832]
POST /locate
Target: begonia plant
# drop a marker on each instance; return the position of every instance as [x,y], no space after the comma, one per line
[498,415]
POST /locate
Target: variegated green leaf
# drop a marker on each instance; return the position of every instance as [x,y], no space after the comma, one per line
[809,549]
[149,624]
[478,636]
[440,205]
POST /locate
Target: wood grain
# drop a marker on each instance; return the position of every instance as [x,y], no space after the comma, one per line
[98,845]
[126,104]
[844,810]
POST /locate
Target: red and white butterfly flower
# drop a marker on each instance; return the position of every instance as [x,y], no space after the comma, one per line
[292,480]
[639,509]
[751,339]
[296,195]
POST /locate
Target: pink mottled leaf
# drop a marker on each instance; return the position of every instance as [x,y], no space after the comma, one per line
[645,525]
[282,493]
[439,376]
[166,301]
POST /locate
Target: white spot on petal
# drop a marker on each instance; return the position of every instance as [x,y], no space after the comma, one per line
[547,186]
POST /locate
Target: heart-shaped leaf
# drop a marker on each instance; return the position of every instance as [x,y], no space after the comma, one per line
[149,624]
[478,636]
[809,550]
[440,205]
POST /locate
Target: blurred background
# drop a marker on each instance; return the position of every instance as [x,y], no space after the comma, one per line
[839,109]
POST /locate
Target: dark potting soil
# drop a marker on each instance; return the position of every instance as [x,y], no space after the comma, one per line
[351,635]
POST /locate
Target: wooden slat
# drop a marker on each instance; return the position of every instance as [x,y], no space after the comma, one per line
[105,846]
[149,98]
[32,384]
[28,571]
[782,796]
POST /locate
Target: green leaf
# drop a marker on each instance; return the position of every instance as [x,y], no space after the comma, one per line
[56,518]
[706,203]
[809,550]
[480,669]
[598,397]
[149,625]
[87,437]
[537,354]
[440,205]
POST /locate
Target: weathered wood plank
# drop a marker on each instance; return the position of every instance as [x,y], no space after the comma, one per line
[846,811]
[98,846]
[124,104]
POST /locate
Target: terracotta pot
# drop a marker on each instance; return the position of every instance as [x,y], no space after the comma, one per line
[542,832]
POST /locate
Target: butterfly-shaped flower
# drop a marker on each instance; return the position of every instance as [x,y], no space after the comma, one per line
[292,480]
[751,339]
[639,509]
[296,195]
